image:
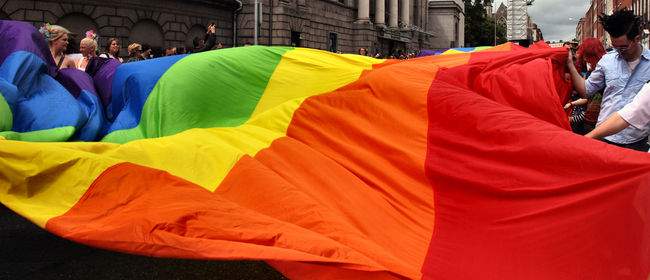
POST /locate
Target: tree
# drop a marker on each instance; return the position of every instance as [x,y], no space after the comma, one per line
[479,28]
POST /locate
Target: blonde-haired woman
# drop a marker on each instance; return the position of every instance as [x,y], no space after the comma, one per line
[88,50]
[57,39]
[135,52]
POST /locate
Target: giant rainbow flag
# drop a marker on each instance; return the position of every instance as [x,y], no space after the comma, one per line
[326,166]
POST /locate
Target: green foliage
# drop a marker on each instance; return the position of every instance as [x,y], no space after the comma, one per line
[480,28]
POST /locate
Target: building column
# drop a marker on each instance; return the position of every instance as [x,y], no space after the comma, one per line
[363,12]
[406,13]
[392,9]
[380,12]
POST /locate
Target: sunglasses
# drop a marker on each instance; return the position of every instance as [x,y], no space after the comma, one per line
[624,48]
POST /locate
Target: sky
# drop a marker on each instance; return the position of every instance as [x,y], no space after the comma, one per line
[556,18]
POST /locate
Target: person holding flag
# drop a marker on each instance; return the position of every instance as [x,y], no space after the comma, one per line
[620,74]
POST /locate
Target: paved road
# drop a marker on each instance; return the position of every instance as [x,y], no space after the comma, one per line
[28,252]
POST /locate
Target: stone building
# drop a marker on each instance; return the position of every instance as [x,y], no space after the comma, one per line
[589,26]
[501,14]
[640,8]
[381,26]
[159,23]
[345,25]
[447,22]
[488,7]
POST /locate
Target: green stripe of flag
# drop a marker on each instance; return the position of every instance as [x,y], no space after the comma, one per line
[211,89]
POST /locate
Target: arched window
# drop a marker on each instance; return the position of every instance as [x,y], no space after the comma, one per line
[196,31]
[78,24]
[147,31]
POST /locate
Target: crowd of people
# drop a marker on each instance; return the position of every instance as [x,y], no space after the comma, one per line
[58,39]
[397,54]
[613,84]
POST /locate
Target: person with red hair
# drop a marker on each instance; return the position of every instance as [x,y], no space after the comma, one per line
[589,53]
[584,114]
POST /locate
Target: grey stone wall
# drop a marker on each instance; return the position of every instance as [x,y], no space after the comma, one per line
[317,20]
[160,23]
[314,20]
[444,16]
[331,17]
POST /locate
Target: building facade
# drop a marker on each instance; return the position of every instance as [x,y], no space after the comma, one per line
[379,25]
[642,8]
[579,30]
[589,26]
[501,14]
[162,23]
[534,32]
[531,31]
[446,20]
[383,26]
[488,7]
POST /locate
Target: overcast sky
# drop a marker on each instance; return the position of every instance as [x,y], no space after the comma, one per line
[556,18]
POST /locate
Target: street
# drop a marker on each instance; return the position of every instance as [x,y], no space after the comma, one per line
[28,252]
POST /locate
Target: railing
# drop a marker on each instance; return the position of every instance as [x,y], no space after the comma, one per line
[421,30]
